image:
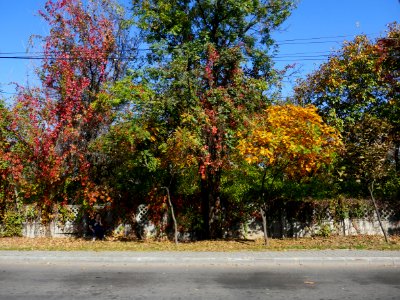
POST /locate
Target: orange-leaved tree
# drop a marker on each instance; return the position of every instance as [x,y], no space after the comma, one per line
[289,141]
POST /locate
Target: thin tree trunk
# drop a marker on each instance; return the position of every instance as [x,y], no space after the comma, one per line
[262,210]
[17,204]
[173,216]
[371,190]
[264,222]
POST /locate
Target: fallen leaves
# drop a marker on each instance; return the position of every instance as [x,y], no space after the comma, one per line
[318,243]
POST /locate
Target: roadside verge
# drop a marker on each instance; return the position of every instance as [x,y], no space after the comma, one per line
[320,257]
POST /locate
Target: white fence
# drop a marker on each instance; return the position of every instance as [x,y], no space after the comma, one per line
[368,225]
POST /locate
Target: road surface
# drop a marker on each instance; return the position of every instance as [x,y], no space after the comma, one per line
[96,280]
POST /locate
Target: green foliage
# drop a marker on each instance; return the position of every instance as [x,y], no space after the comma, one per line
[64,214]
[11,224]
[173,119]
[347,86]
[367,149]
[208,71]
[239,191]
[390,189]
[187,182]
[31,213]
[173,23]
[356,92]
[324,230]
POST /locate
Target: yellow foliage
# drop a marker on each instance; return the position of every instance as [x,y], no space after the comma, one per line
[182,147]
[290,137]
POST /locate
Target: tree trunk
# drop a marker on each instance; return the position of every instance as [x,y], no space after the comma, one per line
[264,222]
[263,209]
[397,156]
[371,190]
[210,189]
[17,203]
[173,216]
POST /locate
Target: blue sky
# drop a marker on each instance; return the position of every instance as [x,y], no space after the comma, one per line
[314,29]
[318,27]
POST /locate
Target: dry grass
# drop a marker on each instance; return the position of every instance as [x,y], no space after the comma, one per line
[318,243]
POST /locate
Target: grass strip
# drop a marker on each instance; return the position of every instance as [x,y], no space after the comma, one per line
[361,242]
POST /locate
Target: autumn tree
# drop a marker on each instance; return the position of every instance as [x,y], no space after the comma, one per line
[346,86]
[287,141]
[209,65]
[388,64]
[6,184]
[54,125]
[368,144]
[358,81]
[357,91]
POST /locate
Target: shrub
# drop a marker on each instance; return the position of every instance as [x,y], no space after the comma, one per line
[12,224]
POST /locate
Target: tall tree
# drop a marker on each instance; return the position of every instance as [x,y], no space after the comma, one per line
[54,124]
[359,81]
[367,151]
[213,63]
[9,168]
[388,49]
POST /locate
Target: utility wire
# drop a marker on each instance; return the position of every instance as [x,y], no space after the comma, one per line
[285,58]
[40,55]
[311,40]
[322,37]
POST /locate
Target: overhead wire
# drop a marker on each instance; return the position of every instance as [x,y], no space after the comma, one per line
[303,41]
[283,57]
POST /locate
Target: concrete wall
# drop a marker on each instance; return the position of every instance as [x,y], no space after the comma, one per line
[251,230]
[36,229]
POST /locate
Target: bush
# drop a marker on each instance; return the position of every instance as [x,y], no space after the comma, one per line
[12,224]
[324,231]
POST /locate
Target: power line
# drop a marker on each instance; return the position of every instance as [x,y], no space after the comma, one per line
[320,38]
[283,58]
[286,56]
[21,57]
[300,56]
[337,38]
[311,40]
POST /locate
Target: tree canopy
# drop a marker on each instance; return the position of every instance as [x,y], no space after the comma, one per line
[357,91]
[178,102]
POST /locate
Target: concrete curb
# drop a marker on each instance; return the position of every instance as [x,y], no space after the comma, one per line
[327,257]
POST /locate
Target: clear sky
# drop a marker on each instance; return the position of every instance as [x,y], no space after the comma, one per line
[317,27]
[314,29]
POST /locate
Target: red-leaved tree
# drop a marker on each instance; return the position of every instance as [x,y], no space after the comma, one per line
[54,125]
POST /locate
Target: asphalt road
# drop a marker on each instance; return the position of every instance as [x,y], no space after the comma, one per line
[88,280]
